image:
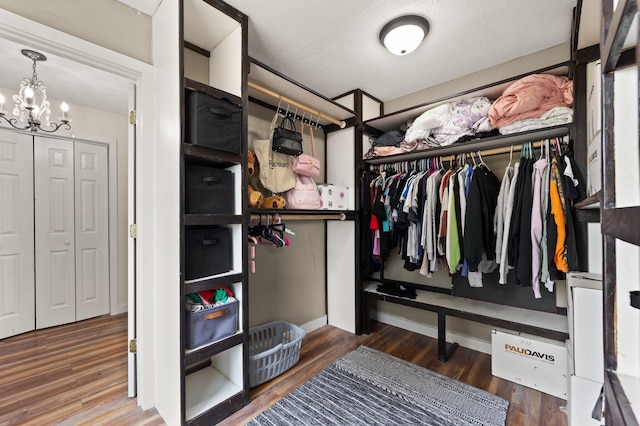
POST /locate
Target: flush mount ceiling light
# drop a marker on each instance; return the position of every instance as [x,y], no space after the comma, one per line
[403,35]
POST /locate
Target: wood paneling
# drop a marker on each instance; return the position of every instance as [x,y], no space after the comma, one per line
[77,374]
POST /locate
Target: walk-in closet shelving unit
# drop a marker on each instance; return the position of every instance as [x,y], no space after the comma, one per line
[273,90]
[619,216]
[213,59]
[440,300]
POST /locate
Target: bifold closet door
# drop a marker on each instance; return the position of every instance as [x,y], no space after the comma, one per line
[17,312]
[55,232]
[91,230]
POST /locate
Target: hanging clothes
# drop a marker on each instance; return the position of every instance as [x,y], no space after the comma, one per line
[504,258]
[482,198]
[501,210]
[536,225]
[520,238]
[556,194]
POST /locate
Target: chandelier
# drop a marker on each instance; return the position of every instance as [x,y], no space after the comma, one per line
[31,111]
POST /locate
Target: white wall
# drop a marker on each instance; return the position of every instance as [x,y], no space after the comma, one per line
[163,160]
[523,65]
[107,23]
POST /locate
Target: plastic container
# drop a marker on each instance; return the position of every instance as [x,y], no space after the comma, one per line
[273,349]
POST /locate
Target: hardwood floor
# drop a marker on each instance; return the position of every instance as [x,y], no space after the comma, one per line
[77,375]
[322,347]
[73,374]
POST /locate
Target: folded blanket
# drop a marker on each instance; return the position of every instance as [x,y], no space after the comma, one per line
[465,118]
[421,127]
[531,97]
[554,117]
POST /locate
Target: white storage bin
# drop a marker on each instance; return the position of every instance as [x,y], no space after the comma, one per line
[530,361]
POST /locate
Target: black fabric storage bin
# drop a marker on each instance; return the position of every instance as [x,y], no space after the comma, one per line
[208,190]
[207,251]
[212,324]
[213,122]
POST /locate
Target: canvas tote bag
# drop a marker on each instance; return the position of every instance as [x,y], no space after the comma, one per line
[276,174]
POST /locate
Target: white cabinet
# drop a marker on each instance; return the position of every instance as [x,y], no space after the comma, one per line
[55,214]
[586,364]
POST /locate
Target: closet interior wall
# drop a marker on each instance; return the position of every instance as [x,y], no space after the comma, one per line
[289,282]
[469,333]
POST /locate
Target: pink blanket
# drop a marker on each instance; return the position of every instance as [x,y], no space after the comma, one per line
[530,97]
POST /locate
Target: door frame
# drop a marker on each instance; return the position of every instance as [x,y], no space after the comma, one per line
[22,30]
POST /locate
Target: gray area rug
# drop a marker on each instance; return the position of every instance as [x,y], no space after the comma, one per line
[368,387]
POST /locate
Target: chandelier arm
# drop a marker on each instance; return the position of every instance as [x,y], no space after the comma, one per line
[56,126]
[13,121]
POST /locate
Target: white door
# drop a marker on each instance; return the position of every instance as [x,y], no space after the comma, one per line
[54,227]
[91,230]
[17,309]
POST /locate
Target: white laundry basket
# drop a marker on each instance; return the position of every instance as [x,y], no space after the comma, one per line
[273,349]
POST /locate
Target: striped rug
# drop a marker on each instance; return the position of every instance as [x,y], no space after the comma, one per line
[368,387]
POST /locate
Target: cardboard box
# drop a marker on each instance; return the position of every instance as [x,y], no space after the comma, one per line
[530,361]
[594,165]
[583,396]
[594,97]
[333,197]
[584,312]
[594,127]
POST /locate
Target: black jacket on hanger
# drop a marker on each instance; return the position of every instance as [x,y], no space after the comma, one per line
[481,206]
[523,262]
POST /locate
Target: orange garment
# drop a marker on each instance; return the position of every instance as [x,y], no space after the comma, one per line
[559,255]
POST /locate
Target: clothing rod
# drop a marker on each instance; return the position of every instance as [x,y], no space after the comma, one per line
[293,216]
[311,111]
[507,149]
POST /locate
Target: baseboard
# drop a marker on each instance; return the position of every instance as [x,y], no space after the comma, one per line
[123,308]
[315,324]
[427,330]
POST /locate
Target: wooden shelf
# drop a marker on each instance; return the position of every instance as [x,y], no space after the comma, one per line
[217,93]
[212,219]
[205,389]
[551,326]
[476,145]
[192,356]
[205,155]
[292,214]
[275,81]
[591,202]
[492,91]
[200,284]
[622,223]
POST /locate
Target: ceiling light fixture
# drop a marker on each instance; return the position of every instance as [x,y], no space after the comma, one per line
[32,105]
[403,35]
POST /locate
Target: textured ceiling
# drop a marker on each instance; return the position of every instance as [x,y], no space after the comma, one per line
[332,45]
